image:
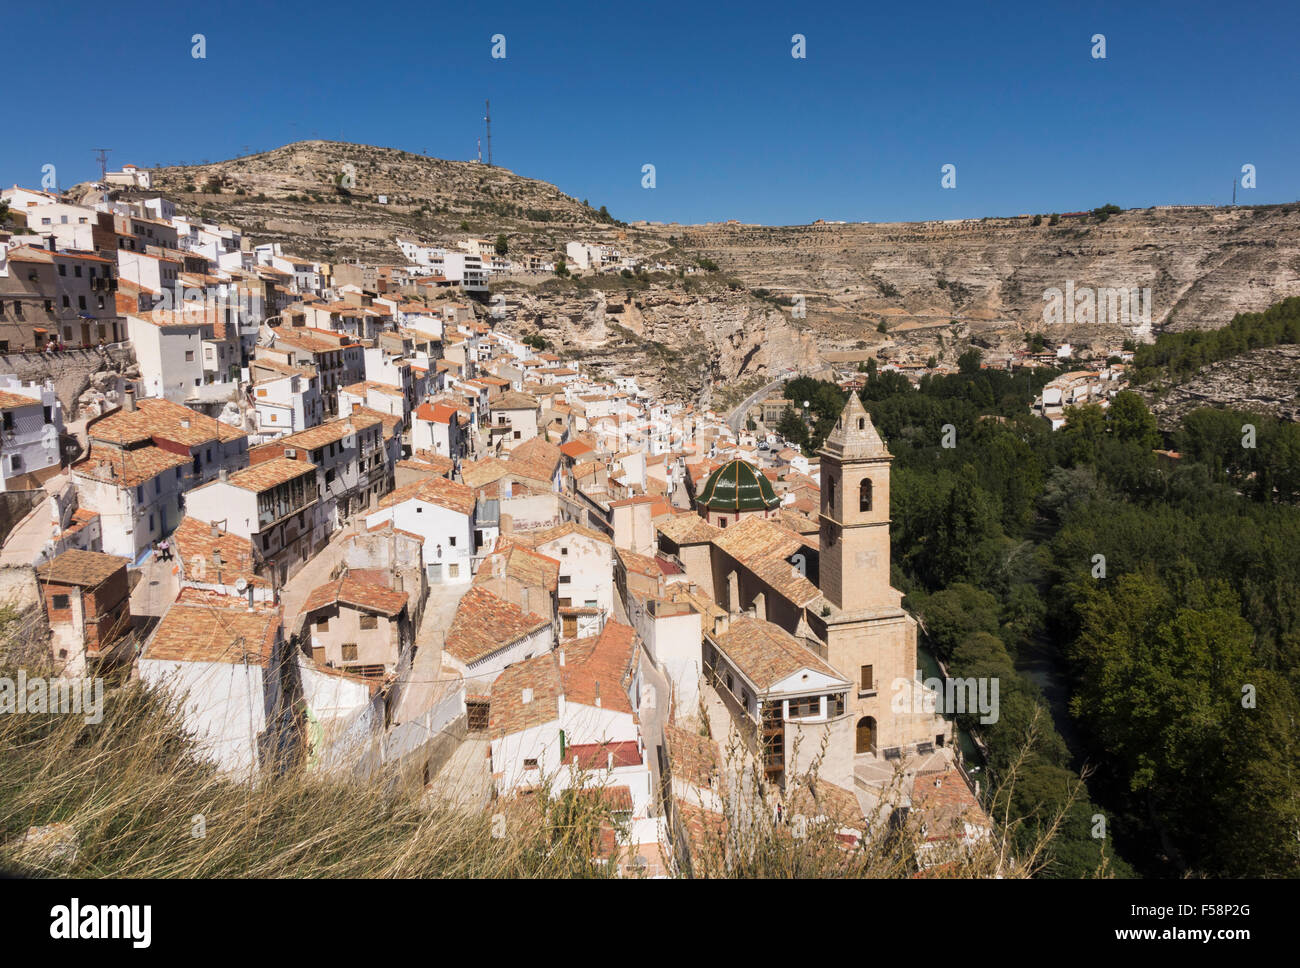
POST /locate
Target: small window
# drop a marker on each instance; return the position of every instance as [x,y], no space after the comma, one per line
[349,652]
[530,764]
[323,625]
[59,601]
[564,579]
[369,622]
[868,681]
[189,356]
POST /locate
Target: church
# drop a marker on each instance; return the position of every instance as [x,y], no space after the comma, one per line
[815,638]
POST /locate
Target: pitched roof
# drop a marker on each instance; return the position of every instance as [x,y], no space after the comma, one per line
[536,458]
[358,593]
[522,564]
[9,401]
[326,433]
[766,653]
[127,468]
[688,528]
[269,474]
[85,569]
[155,418]
[485,624]
[765,547]
[204,626]
[441,491]
[199,552]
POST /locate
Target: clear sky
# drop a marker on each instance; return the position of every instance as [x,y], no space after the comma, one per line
[708,93]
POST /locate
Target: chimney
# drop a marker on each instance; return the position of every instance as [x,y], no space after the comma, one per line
[215,531]
[223,474]
[561,657]
[185,422]
[355,406]
[526,696]
[129,403]
[523,600]
[398,584]
[598,693]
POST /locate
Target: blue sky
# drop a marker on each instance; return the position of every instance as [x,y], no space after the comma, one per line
[709,94]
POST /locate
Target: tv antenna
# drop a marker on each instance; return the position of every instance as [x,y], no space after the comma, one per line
[103,163]
[487,116]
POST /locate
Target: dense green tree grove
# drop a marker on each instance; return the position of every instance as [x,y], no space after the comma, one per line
[1159,593]
[1175,356]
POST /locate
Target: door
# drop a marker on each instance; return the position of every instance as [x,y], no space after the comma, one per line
[866,735]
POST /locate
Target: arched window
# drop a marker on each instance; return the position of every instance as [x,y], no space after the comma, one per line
[830,492]
[864,495]
[862,423]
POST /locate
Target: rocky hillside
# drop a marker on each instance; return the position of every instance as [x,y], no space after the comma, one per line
[1202,266]
[682,338]
[321,200]
[1265,380]
[902,289]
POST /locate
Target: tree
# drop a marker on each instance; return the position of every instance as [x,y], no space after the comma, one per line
[502,246]
[1131,421]
[792,427]
[560,268]
[931,362]
[969,362]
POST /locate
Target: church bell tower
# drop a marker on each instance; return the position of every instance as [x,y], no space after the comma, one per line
[854,537]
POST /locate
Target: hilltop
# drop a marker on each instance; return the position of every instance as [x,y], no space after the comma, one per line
[903,290]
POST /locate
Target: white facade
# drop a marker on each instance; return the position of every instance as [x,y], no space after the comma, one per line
[29,447]
[448,537]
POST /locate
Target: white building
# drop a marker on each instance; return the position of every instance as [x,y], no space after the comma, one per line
[440,511]
[32,424]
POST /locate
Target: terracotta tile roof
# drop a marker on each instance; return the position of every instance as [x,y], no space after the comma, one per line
[269,474]
[688,528]
[819,798]
[485,623]
[158,419]
[391,421]
[127,468]
[207,627]
[522,564]
[85,569]
[695,759]
[508,712]
[766,653]
[600,667]
[763,546]
[946,805]
[478,473]
[195,543]
[511,400]
[9,401]
[576,448]
[642,564]
[536,458]
[81,517]
[445,493]
[358,593]
[546,535]
[597,757]
[587,469]
[437,412]
[324,434]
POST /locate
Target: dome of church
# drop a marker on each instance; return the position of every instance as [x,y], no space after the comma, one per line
[737,486]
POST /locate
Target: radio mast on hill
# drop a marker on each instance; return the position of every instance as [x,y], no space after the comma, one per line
[103,162]
[487,116]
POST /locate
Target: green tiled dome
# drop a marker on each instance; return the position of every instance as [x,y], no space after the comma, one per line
[737,486]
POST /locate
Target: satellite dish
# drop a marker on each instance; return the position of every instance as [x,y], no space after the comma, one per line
[241,585]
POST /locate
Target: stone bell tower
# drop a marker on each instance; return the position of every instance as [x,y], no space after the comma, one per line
[854,539]
[870,638]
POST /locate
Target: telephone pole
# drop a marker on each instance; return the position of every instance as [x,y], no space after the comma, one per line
[103,162]
[487,116]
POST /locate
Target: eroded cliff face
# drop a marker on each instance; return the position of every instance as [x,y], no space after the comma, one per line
[676,342]
[1202,265]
